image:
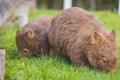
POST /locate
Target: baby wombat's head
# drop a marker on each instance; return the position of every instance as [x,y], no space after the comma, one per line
[103,52]
[28,42]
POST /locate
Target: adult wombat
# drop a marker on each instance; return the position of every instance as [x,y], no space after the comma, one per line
[32,38]
[76,34]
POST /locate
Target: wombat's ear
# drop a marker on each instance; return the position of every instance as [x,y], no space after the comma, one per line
[31,33]
[113,34]
[95,38]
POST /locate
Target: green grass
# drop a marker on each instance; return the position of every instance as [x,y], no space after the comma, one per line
[51,67]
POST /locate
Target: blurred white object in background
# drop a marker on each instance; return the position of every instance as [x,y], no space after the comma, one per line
[119,8]
[22,14]
[67,4]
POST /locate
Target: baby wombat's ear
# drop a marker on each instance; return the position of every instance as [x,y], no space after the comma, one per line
[96,38]
[113,34]
[30,33]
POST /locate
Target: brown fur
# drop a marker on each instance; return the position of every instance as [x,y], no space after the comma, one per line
[32,38]
[78,35]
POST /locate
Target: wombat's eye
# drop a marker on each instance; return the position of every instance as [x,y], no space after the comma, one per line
[25,50]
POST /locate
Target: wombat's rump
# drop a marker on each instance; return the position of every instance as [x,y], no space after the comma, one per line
[32,38]
[76,34]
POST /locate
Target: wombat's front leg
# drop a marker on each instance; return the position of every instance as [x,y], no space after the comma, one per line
[79,60]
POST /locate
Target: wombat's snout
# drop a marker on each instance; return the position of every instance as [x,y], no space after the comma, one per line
[111,69]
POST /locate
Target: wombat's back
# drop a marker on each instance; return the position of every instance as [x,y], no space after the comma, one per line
[41,22]
[71,25]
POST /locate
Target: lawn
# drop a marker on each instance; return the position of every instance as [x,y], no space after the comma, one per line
[51,67]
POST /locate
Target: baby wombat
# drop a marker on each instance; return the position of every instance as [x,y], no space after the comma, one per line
[78,35]
[32,38]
